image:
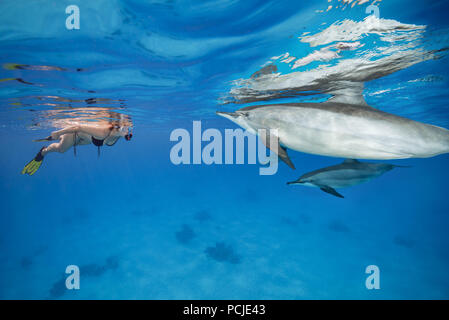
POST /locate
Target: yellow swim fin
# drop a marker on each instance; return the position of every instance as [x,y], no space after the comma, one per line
[11,66]
[32,166]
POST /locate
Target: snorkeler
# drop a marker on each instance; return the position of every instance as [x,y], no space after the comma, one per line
[98,134]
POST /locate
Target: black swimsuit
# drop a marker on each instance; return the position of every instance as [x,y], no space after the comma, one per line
[97,142]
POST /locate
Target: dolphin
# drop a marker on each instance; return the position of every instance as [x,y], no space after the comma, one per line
[336,129]
[348,173]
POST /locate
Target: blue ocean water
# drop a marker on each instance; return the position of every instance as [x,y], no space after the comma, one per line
[140,227]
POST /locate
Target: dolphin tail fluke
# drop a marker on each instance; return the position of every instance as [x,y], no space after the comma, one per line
[280,150]
[331,191]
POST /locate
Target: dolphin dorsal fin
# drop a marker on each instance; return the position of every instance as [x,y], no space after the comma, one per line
[351,161]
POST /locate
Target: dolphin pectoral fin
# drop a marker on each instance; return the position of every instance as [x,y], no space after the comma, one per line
[330,190]
[281,151]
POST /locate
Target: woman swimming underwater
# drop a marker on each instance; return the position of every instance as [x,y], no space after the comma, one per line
[98,133]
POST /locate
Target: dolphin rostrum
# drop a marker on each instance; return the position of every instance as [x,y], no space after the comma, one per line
[349,173]
[342,130]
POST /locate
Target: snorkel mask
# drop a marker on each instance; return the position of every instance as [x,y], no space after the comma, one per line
[129,135]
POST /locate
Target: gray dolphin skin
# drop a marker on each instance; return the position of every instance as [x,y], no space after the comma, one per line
[342,130]
[349,173]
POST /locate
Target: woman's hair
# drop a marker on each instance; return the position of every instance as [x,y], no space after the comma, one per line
[120,120]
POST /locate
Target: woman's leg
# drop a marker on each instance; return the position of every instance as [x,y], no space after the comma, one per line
[66,142]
